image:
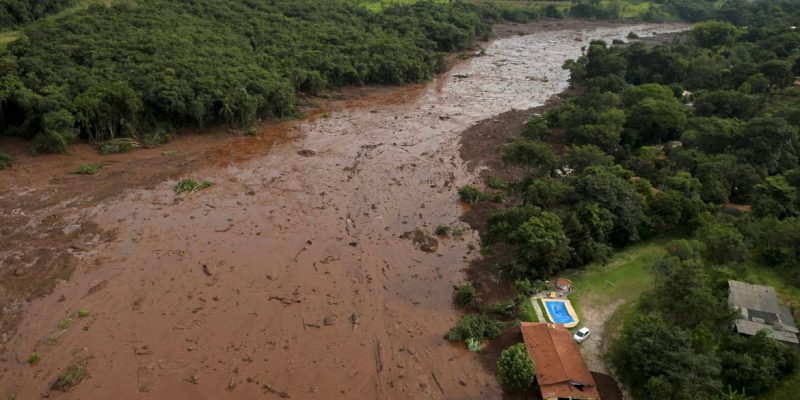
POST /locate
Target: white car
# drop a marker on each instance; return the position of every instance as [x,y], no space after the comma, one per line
[581,335]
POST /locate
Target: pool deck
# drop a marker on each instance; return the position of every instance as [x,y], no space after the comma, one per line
[539,315]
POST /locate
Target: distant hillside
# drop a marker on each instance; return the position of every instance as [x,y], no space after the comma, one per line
[18,12]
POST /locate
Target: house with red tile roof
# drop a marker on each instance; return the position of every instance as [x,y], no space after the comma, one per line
[561,372]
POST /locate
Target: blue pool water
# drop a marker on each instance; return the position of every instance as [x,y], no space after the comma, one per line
[559,312]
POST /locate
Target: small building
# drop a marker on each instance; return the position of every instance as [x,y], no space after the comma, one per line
[758,309]
[561,372]
[564,284]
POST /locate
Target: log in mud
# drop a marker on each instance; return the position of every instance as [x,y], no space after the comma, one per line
[290,277]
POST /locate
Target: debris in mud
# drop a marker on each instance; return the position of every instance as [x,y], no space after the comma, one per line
[420,238]
[19,271]
[355,320]
[70,378]
[208,270]
[460,76]
[329,320]
[307,153]
[269,389]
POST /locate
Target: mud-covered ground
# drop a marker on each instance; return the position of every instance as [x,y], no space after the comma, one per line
[293,276]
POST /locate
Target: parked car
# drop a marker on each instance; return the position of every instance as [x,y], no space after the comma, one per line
[581,335]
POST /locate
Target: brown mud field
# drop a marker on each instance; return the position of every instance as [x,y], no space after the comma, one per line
[289,277]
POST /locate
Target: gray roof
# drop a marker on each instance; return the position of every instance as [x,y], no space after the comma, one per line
[759,309]
[753,297]
[746,327]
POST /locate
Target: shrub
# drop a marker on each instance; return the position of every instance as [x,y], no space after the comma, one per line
[515,369]
[495,183]
[476,326]
[442,230]
[34,358]
[191,185]
[503,309]
[88,169]
[5,160]
[118,145]
[471,194]
[466,295]
[251,131]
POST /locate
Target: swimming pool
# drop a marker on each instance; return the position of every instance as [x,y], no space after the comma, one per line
[561,312]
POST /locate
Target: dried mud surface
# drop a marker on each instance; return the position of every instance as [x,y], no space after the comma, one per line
[286,279]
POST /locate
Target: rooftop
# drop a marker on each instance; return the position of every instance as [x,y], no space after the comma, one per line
[759,310]
[560,369]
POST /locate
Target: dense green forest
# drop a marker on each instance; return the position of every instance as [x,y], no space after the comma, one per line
[20,12]
[138,69]
[697,139]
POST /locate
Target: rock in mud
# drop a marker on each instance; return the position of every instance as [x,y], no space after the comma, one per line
[307,153]
[329,320]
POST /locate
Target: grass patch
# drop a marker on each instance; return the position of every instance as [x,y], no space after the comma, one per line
[544,310]
[250,131]
[89,169]
[527,312]
[33,359]
[190,185]
[625,277]
[70,378]
[169,153]
[66,322]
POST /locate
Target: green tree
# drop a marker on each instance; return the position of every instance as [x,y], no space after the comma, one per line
[715,33]
[653,359]
[515,369]
[531,154]
[723,243]
[776,197]
[612,192]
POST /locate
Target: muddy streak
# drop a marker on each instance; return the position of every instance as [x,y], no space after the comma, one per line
[289,276]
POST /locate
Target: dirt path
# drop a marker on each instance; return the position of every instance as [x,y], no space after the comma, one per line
[289,277]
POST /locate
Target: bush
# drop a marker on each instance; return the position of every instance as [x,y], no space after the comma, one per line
[88,169]
[442,230]
[191,185]
[471,194]
[475,326]
[5,160]
[515,369]
[466,295]
[495,183]
[251,131]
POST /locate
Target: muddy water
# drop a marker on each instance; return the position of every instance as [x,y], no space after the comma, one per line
[289,277]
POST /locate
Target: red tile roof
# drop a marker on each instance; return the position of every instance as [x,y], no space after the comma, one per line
[563,282]
[560,369]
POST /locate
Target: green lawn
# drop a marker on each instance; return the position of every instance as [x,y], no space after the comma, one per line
[625,277]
